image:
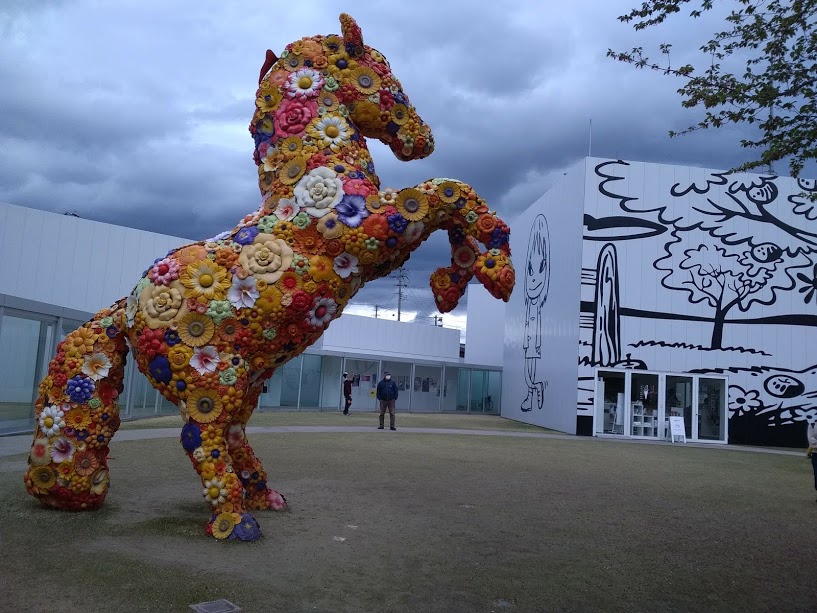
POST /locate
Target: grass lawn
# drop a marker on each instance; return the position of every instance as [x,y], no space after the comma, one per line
[336,418]
[431,523]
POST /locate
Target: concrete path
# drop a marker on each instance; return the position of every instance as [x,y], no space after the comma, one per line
[14,445]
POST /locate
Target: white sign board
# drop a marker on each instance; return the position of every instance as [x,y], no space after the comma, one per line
[676,426]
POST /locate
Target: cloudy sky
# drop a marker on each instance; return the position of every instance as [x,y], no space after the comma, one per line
[135,112]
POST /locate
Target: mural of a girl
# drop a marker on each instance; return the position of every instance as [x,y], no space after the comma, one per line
[537,280]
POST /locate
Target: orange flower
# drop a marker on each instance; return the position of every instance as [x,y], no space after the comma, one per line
[334,248]
[376,226]
[189,254]
[486,223]
[308,240]
[320,268]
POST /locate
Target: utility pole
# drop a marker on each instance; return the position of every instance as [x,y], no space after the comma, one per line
[438,321]
[402,281]
[375,311]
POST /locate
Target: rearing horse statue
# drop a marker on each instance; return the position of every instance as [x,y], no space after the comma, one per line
[208,323]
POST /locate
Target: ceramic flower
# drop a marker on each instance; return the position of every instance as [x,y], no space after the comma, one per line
[161,303]
[322,312]
[304,83]
[40,453]
[330,131]
[243,293]
[205,359]
[345,265]
[319,191]
[62,450]
[96,366]
[286,209]
[205,278]
[268,257]
[214,492]
[351,210]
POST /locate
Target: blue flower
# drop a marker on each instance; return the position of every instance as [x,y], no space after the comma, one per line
[247,529]
[397,223]
[370,167]
[80,388]
[351,210]
[245,236]
[172,338]
[191,437]
[499,237]
[400,98]
[339,168]
[112,331]
[392,128]
[160,369]
[391,242]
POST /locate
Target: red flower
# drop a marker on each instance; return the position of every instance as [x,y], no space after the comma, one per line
[60,379]
[386,100]
[301,301]
[347,93]
[316,160]
[152,342]
[293,115]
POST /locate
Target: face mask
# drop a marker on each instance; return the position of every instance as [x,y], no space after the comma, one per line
[388,377]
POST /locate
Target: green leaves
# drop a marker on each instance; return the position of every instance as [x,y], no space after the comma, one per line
[776,42]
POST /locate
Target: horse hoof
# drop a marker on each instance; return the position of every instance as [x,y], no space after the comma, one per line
[270,499]
[234,527]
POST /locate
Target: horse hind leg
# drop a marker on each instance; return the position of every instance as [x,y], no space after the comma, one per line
[248,467]
[77,414]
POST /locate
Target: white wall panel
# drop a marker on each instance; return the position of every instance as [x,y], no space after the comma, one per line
[551,398]
[484,341]
[680,234]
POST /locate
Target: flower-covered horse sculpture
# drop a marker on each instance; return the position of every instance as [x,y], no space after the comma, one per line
[210,322]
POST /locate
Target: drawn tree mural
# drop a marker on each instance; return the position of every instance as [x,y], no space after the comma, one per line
[725,277]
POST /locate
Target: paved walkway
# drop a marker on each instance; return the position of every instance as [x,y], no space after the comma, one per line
[13,445]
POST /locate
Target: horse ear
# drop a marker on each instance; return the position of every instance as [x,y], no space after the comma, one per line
[350,30]
[268,62]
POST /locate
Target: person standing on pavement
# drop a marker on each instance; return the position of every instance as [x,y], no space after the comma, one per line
[347,392]
[387,394]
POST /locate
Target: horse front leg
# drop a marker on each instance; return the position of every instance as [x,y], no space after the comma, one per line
[247,466]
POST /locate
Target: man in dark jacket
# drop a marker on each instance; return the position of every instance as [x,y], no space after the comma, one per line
[387,394]
[347,392]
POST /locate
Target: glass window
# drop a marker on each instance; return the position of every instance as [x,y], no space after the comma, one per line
[450,388]
[494,397]
[364,375]
[479,390]
[331,383]
[271,395]
[143,396]
[712,409]
[644,404]
[290,382]
[311,382]
[463,382]
[426,390]
[610,407]
[401,375]
[678,401]
[26,345]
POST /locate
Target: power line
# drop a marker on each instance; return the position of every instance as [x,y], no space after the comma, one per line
[402,281]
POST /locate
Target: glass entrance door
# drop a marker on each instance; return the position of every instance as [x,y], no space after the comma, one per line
[644,404]
[611,407]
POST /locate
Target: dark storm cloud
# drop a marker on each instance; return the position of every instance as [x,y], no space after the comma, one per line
[135,113]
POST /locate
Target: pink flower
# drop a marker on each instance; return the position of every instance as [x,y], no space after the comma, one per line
[286,209]
[62,450]
[293,116]
[242,293]
[164,271]
[358,187]
[345,265]
[205,359]
[40,452]
[322,312]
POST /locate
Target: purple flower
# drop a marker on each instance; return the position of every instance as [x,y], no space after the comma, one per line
[191,437]
[499,237]
[160,369]
[456,236]
[111,331]
[400,98]
[351,210]
[247,529]
[80,389]
[172,338]
[245,236]
[397,223]
[391,242]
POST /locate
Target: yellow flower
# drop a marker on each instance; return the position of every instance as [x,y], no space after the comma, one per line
[292,170]
[366,80]
[43,478]
[448,192]
[224,524]
[291,145]
[399,114]
[320,268]
[412,204]
[195,330]
[79,342]
[77,419]
[179,356]
[203,406]
[329,131]
[205,278]
[268,100]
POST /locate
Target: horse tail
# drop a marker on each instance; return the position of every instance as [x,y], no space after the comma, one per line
[77,414]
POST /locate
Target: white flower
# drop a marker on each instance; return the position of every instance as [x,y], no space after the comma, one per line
[214,492]
[40,453]
[51,420]
[96,366]
[330,131]
[345,265]
[219,237]
[319,191]
[235,436]
[62,450]
[243,292]
[304,83]
[413,231]
[205,359]
[388,196]
[286,209]
[741,401]
[323,312]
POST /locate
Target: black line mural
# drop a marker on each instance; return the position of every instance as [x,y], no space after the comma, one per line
[537,283]
[730,245]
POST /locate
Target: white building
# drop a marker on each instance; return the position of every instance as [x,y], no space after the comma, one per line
[43,297]
[656,291]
